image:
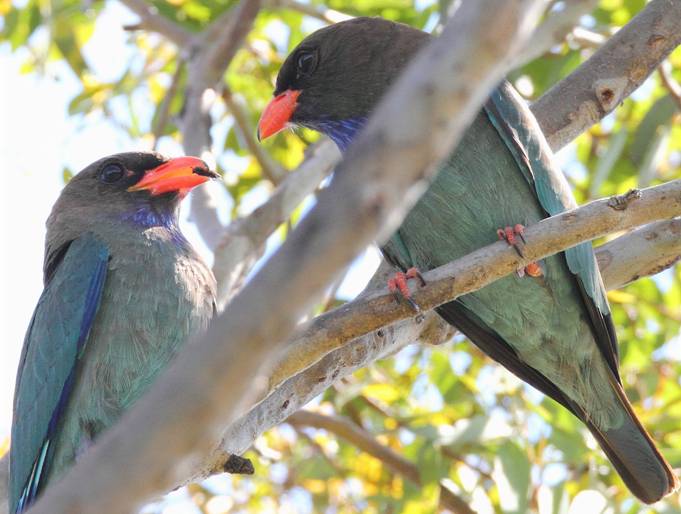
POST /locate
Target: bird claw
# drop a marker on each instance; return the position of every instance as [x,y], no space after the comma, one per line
[399,287]
[509,234]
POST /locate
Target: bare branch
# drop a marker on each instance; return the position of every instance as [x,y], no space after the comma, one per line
[672,86]
[611,74]
[557,26]
[171,430]
[164,108]
[643,252]
[316,11]
[325,349]
[152,20]
[242,243]
[270,168]
[367,443]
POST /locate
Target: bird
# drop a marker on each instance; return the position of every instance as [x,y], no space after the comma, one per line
[551,327]
[123,292]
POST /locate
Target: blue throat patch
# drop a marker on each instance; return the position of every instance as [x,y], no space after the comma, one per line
[341,132]
[146,217]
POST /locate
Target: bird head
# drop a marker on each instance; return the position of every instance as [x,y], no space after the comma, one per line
[335,77]
[142,188]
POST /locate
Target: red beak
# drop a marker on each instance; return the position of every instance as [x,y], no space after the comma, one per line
[277,114]
[176,175]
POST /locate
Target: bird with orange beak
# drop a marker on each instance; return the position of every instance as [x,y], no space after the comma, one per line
[123,292]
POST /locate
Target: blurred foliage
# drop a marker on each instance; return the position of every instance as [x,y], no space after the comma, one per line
[459,418]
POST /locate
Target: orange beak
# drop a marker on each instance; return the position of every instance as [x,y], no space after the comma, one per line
[176,175]
[277,114]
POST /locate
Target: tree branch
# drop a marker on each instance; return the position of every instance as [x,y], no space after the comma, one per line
[645,251]
[242,243]
[611,74]
[363,440]
[270,168]
[152,20]
[557,26]
[172,428]
[334,344]
[315,11]
[210,58]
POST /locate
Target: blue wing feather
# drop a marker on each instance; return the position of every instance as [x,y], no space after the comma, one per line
[56,336]
[520,131]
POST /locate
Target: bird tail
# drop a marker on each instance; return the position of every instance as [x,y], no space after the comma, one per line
[634,455]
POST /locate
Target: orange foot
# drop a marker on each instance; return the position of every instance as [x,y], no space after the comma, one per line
[398,286]
[509,234]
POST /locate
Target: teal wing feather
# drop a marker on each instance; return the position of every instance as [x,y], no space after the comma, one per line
[522,135]
[75,278]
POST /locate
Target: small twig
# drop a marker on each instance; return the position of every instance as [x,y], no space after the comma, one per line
[315,11]
[152,20]
[672,86]
[270,168]
[363,440]
[164,109]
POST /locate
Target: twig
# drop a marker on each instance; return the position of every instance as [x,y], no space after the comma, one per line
[270,168]
[164,109]
[171,430]
[363,440]
[152,20]
[315,11]
[611,74]
[672,86]
[557,26]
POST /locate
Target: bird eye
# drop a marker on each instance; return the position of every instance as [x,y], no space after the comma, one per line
[306,63]
[111,173]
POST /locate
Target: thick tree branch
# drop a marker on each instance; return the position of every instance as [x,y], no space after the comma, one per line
[172,429]
[363,440]
[243,242]
[611,74]
[4,483]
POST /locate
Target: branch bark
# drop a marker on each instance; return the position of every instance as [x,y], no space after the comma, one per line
[169,431]
[645,251]
[611,74]
[243,241]
[152,20]
[366,442]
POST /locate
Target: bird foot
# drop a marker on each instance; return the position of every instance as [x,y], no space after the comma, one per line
[399,287]
[509,234]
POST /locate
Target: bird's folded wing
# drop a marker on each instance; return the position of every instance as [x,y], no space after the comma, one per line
[54,340]
[523,137]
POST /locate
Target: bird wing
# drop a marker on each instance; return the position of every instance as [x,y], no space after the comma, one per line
[520,131]
[53,344]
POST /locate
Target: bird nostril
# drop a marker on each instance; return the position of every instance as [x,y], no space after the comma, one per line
[205,172]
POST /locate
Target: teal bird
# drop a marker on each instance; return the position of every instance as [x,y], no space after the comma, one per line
[553,327]
[123,292]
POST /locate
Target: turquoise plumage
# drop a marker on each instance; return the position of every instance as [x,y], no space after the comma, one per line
[553,331]
[123,292]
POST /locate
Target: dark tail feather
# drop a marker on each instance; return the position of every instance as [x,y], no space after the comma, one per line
[635,457]
[629,448]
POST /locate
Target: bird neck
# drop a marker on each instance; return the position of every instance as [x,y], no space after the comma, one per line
[341,132]
[146,217]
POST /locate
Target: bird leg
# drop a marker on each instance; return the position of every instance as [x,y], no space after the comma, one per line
[509,234]
[399,287]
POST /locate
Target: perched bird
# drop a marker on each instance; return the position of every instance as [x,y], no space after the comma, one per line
[551,328]
[123,291]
